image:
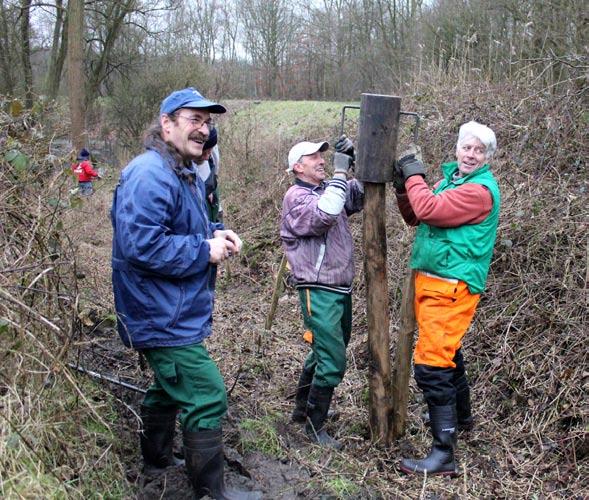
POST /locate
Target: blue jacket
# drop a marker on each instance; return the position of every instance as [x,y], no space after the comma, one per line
[160,257]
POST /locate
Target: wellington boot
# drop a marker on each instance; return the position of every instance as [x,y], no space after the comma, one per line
[465,420]
[440,460]
[464,424]
[299,413]
[205,465]
[317,409]
[157,438]
[463,410]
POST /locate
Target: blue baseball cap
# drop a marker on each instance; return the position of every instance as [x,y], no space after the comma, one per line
[189,98]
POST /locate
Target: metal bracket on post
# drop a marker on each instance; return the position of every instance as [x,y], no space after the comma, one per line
[343,119]
[416,126]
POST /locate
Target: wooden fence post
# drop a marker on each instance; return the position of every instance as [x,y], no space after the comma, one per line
[377,143]
[402,366]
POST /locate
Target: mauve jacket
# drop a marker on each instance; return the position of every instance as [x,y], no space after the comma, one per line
[319,246]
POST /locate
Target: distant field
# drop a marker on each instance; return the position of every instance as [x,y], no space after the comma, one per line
[285,119]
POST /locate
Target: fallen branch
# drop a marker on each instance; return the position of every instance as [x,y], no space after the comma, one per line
[107,378]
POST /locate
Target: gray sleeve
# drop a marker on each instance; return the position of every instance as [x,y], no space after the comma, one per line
[216,154]
[333,199]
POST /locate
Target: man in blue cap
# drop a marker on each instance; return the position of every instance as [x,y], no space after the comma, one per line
[165,250]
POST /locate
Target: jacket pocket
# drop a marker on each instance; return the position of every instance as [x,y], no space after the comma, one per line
[165,299]
[179,305]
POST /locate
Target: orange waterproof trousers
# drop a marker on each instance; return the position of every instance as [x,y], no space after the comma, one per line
[444,311]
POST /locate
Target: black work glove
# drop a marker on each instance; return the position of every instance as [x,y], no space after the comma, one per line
[398,179]
[409,165]
[346,146]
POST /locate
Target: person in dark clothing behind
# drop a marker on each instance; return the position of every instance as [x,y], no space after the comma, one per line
[208,170]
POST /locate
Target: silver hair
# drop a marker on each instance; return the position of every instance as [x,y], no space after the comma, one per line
[480,132]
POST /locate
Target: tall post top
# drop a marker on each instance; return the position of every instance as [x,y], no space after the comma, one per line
[377,138]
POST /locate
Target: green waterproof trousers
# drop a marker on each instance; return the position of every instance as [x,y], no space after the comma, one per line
[187,378]
[328,315]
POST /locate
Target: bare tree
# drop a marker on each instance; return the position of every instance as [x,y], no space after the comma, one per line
[58,51]
[104,36]
[25,13]
[6,64]
[204,27]
[76,80]
[269,26]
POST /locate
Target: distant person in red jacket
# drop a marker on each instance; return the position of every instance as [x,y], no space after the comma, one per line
[84,172]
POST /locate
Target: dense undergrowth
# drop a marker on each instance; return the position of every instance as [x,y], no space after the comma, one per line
[526,351]
[56,439]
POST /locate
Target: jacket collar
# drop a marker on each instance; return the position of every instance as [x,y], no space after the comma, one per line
[307,185]
[449,169]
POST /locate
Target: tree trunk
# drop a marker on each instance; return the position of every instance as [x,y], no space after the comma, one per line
[76,83]
[8,76]
[57,52]
[25,12]
[116,15]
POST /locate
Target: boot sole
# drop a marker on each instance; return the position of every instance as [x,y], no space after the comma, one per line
[449,473]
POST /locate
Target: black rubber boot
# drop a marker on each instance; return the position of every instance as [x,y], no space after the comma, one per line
[317,408]
[299,413]
[463,410]
[157,438]
[465,420]
[460,382]
[440,460]
[205,464]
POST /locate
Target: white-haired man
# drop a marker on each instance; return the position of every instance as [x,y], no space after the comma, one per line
[451,255]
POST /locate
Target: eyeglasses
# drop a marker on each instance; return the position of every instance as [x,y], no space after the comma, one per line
[198,122]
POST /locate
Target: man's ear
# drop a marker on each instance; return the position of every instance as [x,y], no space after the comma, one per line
[165,122]
[297,168]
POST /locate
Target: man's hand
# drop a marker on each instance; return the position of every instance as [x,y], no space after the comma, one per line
[231,237]
[398,179]
[346,146]
[341,163]
[409,165]
[219,250]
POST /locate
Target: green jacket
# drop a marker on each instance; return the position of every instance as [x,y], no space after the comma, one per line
[462,252]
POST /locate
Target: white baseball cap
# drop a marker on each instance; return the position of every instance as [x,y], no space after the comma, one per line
[303,149]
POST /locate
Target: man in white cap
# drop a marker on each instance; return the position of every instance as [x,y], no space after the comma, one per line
[164,252]
[319,248]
